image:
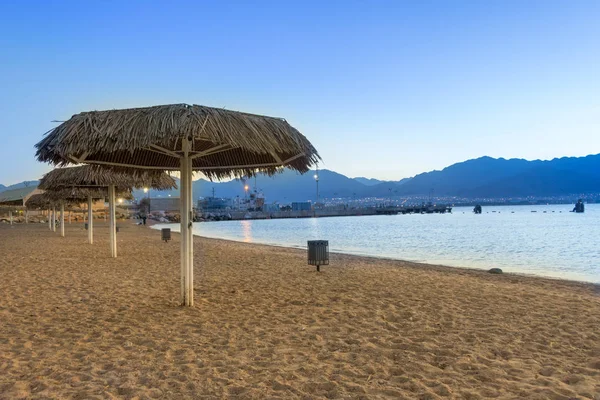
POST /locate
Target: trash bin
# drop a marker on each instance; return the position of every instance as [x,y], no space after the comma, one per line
[165,234]
[117,229]
[318,253]
[86,226]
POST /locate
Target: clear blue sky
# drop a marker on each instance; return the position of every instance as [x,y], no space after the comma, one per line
[384,89]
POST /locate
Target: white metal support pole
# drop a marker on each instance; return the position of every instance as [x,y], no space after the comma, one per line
[53,219]
[90,221]
[49,220]
[62,219]
[183,197]
[191,232]
[112,225]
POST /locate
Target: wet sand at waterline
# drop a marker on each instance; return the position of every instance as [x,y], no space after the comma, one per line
[75,323]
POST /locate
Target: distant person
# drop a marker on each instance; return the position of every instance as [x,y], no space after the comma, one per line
[144,219]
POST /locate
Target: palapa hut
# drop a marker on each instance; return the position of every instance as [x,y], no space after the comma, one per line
[187,138]
[87,182]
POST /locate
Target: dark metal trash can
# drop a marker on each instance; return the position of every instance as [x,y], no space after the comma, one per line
[117,229]
[86,226]
[318,253]
[165,234]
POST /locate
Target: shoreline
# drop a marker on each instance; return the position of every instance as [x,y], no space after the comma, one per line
[423,264]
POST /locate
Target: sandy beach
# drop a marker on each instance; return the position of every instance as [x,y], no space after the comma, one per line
[75,323]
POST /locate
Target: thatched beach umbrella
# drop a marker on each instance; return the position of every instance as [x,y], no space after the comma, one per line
[217,142]
[69,196]
[87,182]
[45,202]
[63,198]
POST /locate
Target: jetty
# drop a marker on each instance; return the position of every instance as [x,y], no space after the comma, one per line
[230,215]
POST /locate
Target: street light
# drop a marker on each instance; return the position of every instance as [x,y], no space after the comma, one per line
[317,181]
[148,197]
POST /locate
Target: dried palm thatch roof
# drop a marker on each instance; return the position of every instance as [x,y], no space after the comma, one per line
[41,200]
[224,143]
[94,176]
[80,194]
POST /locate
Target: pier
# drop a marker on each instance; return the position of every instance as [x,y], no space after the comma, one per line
[225,215]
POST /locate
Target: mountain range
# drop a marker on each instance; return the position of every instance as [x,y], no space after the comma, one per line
[484,177]
[494,178]
[18,185]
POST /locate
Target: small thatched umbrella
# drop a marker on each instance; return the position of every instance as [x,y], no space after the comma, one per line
[62,199]
[45,202]
[218,142]
[93,181]
[77,195]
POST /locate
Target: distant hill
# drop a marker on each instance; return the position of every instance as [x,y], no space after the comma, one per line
[374,182]
[368,181]
[287,186]
[491,177]
[19,185]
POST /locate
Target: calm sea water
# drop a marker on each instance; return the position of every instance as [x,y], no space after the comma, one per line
[549,242]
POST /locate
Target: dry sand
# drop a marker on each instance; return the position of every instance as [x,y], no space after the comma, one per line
[75,323]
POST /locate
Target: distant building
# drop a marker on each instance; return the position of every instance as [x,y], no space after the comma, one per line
[271,207]
[96,205]
[301,206]
[213,203]
[164,204]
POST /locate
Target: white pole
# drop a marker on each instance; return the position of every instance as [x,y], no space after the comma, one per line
[49,220]
[112,225]
[62,219]
[26,216]
[53,219]
[191,232]
[183,198]
[10,216]
[90,221]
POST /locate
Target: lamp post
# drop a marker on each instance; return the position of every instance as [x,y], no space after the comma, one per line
[120,200]
[317,181]
[148,197]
